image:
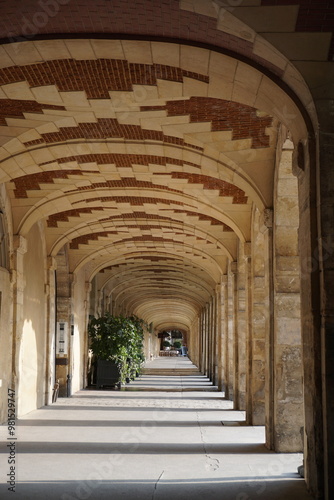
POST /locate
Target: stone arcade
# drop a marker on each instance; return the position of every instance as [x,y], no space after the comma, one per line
[174,160]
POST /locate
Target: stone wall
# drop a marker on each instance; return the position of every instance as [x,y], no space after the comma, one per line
[31,344]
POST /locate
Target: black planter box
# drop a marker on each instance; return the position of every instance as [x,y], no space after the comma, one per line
[108,374]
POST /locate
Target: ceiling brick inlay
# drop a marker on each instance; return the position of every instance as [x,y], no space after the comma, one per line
[33,181]
[144,215]
[86,238]
[122,160]
[224,115]
[108,128]
[95,77]
[14,108]
[53,219]
[225,188]
[133,200]
[126,182]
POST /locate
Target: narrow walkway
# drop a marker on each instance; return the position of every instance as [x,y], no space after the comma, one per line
[160,439]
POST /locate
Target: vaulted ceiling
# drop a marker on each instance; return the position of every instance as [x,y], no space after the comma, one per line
[144,158]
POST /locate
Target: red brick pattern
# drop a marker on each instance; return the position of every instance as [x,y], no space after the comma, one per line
[95,77]
[133,200]
[53,219]
[122,160]
[85,239]
[224,115]
[14,108]
[33,181]
[225,188]
[126,182]
[106,128]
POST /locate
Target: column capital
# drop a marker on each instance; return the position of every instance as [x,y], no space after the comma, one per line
[20,244]
[268,217]
[234,267]
[51,263]
[224,279]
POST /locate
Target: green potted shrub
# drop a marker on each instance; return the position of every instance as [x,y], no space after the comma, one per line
[117,343]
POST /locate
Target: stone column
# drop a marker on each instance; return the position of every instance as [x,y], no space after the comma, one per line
[232,335]
[259,322]
[242,326]
[50,292]
[219,340]
[88,288]
[224,373]
[269,329]
[288,390]
[18,284]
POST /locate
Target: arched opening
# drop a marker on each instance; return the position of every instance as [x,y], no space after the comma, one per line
[160,173]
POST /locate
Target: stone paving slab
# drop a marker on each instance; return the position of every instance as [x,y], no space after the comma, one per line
[146,445]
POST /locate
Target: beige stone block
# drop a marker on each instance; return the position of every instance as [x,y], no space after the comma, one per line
[240,93]
[74,98]
[223,66]
[137,51]
[22,53]
[14,146]
[5,58]
[275,102]
[297,82]
[80,49]
[287,209]
[267,51]
[288,264]
[301,46]
[194,59]
[194,88]
[19,90]
[219,88]
[47,94]
[179,129]
[289,188]
[25,159]
[275,18]
[287,284]
[169,90]
[286,240]
[13,129]
[228,23]
[246,75]
[203,7]
[46,128]
[30,135]
[166,53]
[60,151]
[287,305]
[116,147]
[108,49]
[52,49]
[143,94]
